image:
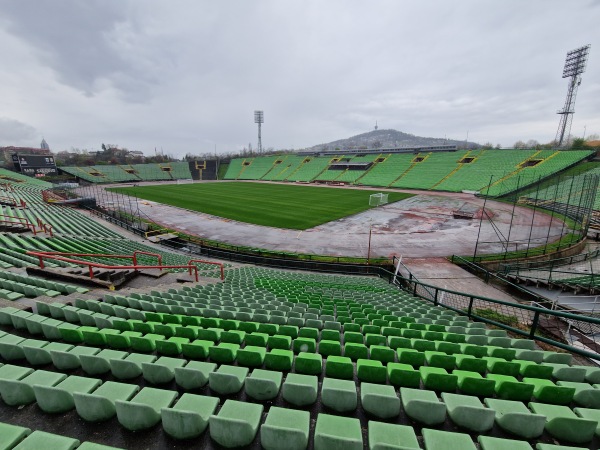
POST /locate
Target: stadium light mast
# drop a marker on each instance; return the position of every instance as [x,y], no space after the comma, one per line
[575,63]
[259,118]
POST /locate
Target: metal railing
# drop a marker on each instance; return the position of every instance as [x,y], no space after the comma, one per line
[64,256]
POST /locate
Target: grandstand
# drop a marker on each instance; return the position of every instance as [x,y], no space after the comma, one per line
[500,171]
[270,357]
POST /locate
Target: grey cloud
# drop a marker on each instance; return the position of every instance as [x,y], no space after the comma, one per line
[13,132]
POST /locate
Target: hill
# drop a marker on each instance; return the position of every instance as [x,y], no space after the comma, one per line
[389,139]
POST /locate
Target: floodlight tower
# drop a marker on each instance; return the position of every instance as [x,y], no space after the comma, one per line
[259,118]
[574,66]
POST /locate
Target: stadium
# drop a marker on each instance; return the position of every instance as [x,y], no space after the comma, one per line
[387,299]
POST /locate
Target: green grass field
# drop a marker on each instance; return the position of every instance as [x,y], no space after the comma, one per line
[274,205]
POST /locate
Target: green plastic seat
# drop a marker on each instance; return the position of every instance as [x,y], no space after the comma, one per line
[379,400]
[162,370]
[40,355]
[585,394]
[99,405]
[563,372]
[300,390]
[371,371]
[59,398]
[339,395]
[223,353]
[339,367]
[308,363]
[502,367]
[446,440]
[403,375]
[16,386]
[533,369]
[171,346]
[471,364]
[263,385]
[558,358]
[189,417]
[143,410]
[145,343]
[382,353]
[194,375]
[564,424]
[410,356]
[236,424]
[99,363]
[509,388]
[227,379]
[256,339]
[197,349]
[546,391]
[330,348]
[437,379]
[387,436]
[590,414]
[11,435]
[440,359]
[472,383]
[468,412]
[251,356]
[129,367]
[41,439]
[333,432]
[69,360]
[285,428]
[423,406]
[494,443]
[515,418]
[356,351]
[278,359]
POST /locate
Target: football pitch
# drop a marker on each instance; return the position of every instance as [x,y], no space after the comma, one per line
[274,205]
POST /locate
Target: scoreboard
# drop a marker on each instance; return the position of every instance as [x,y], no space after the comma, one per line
[35,165]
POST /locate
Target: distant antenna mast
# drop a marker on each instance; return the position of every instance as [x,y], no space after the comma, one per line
[259,118]
[376,126]
[575,63]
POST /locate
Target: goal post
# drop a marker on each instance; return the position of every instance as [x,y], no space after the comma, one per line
[378,199]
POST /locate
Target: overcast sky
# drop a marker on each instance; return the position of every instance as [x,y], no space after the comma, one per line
[186,76]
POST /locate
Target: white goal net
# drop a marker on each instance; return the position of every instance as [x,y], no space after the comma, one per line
[378,199]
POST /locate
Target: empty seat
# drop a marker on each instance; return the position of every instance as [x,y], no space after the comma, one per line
[386,436]
[564,424]
[494,443]
[263,384]
[99,363]
[188,418]
[41,439]
[11,435]
[130,366]
[300,390]
[99,405]
[59,398]
[309,363]
[546,391]
[446,440]
[285,428]
[236,423]
[423,406]
[339,395]
[162,370]
[143,410]
[514,417]
[468,412]
[227,379]
[18,390]
[194,375]
[334,432]
[379,400]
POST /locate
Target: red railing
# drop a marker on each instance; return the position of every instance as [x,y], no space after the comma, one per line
[63,256]
[23,221]
[209,262]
